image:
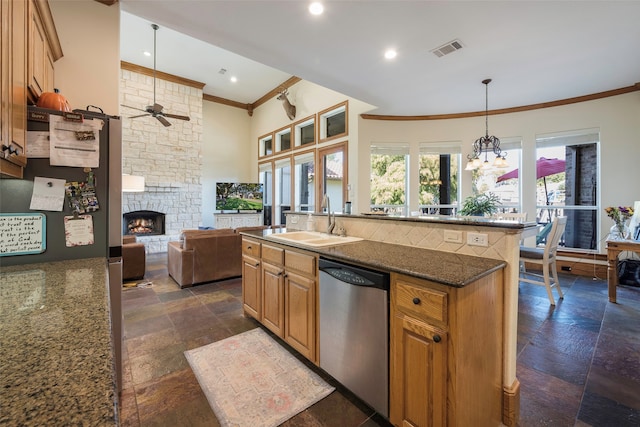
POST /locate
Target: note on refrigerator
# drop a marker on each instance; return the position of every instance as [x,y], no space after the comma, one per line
[48,194]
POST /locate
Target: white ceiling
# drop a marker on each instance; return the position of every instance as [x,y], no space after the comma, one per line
[535,51]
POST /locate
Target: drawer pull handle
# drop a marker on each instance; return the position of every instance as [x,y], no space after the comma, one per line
[249,247]
[257,264]
[436,338]
[416,300]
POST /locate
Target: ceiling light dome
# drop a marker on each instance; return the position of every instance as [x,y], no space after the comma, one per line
[316,8]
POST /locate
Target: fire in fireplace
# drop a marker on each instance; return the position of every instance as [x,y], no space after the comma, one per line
[143,223]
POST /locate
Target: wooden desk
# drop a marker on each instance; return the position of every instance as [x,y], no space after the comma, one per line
[614,247]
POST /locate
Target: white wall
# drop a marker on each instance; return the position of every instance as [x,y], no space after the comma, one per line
[89,71]
[226,152]
[618,119]
[309,99]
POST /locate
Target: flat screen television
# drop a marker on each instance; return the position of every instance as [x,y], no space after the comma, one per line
[238,196]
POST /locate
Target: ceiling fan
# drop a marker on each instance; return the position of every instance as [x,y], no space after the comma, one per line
[155,110]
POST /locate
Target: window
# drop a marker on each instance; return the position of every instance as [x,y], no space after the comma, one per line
[568,184]
[503,182]
[439,177]
[283,139]
[389,180]
[333,164]
[305,132]
[305,182]
[333,122]
[266,179]
[265,145]
[283,189]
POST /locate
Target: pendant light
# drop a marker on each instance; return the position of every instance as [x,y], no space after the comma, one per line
[486,144]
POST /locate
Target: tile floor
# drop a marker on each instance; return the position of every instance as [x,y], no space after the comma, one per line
[578,363]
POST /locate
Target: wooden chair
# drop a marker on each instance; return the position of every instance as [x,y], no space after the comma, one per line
[546,257]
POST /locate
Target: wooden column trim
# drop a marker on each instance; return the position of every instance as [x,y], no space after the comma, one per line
[49,27]
[511,404]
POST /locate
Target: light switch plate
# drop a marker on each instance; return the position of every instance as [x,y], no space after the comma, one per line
[452,236]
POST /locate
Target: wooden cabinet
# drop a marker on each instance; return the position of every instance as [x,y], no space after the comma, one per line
[300,303]
[44,49]
[29,42]
[251,289]
[13,88]
[285,292]
[446,352]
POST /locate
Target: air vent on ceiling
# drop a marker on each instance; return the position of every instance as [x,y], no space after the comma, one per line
[447,48]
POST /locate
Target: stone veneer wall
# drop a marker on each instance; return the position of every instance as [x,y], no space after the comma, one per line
[169,158]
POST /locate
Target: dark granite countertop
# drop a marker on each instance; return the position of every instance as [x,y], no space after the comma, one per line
[478,221]
[55,345]
[441,267]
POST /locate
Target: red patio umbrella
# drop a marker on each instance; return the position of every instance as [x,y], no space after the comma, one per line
[544,168]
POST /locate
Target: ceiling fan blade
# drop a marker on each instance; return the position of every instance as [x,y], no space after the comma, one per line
[133,108]
[139,115]
[175,116]
[163,120]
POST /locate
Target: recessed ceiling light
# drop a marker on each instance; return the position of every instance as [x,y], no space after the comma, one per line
[233,79]
[390,54]
[316,8]
[146,53]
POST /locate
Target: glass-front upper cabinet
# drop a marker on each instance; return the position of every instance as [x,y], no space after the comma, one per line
[305,132]
[333,122]
[265,145]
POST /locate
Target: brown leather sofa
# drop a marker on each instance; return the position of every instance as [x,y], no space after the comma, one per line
[133,258]
[206,255]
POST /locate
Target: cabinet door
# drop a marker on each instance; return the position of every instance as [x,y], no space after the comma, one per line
[418,373]
[223,221]
[300,314]
[273,298]
[251,286]
[37,54]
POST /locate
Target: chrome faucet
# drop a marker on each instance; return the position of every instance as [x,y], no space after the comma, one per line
[327,204]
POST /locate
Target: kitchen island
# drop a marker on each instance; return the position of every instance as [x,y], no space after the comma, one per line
[55,345]
[453,252]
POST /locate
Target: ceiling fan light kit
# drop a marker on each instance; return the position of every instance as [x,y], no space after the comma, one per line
[155,110]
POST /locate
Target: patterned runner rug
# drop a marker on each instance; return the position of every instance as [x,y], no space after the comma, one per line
[251,380]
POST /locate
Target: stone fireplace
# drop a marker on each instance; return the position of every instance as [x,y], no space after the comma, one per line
[169,158]
[143,223]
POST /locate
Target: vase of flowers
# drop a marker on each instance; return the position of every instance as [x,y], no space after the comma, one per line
[620,215]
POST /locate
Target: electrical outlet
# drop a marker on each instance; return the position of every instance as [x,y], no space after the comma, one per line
[452,236]
[477,239]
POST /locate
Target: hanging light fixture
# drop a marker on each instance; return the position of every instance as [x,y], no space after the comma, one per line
[486,144]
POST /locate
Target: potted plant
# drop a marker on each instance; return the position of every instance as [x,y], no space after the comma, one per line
[480,204]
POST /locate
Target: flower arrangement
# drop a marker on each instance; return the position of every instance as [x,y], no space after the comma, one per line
[619,215]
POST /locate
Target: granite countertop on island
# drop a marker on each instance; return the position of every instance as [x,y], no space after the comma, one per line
[446,268]
[55,345]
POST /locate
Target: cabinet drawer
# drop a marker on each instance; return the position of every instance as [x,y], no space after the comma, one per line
[302,262]
[427,304]
[251,247]
[273,254]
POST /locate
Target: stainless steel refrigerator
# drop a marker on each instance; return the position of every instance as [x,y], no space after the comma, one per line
[107,220]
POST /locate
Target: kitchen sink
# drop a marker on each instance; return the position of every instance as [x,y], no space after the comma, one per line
[314,238]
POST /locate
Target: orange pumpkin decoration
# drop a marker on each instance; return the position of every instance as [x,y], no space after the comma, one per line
[53,101]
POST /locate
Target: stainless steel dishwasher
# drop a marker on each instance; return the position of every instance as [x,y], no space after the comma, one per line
[354,330]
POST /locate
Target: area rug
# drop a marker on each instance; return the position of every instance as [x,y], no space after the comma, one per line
[251,380]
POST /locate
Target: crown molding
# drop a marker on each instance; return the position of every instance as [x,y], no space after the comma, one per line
[575,100]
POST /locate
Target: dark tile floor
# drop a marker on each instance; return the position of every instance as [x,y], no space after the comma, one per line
[578,363]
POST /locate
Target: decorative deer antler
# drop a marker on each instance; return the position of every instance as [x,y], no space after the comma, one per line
[288,108]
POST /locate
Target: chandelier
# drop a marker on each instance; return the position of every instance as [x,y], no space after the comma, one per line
[486,144]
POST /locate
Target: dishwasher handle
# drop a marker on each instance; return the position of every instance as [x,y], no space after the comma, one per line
[355,275]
